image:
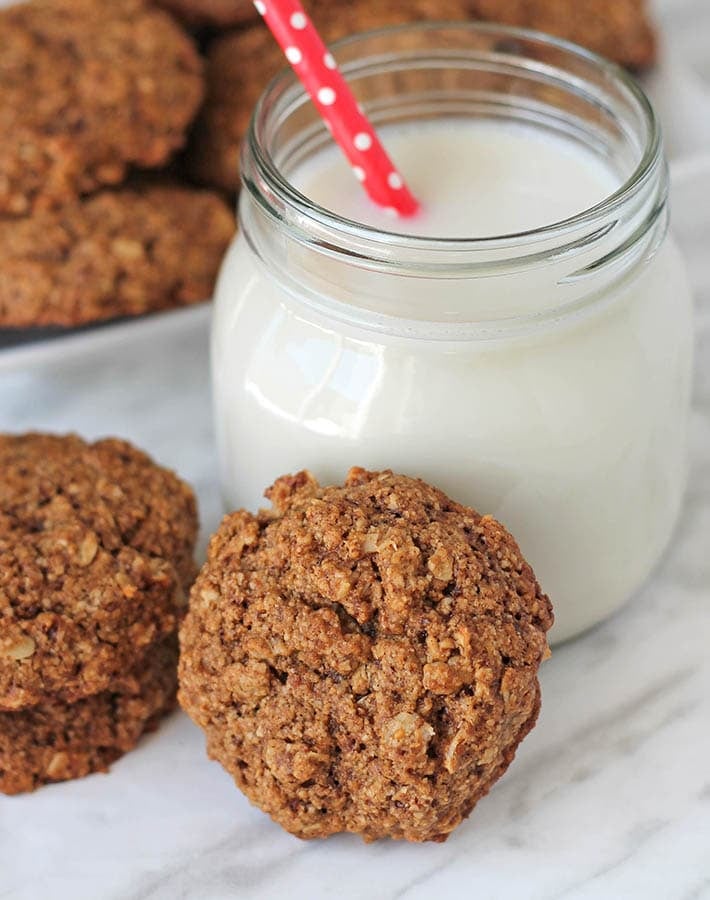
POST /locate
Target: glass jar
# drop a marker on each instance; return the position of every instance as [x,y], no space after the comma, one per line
[542,377]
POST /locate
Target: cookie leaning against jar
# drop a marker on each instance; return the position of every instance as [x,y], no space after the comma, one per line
[88,89]
[240,64]
[364,658]
[137,249]
[96,554]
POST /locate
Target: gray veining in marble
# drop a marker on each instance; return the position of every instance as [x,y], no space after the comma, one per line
[609,797]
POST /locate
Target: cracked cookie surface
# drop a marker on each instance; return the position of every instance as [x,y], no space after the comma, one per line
[364,658]
[96,545]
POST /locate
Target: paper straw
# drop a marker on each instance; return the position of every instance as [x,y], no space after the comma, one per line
[351,129]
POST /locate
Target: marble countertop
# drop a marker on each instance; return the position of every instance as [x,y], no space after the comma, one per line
[609,797]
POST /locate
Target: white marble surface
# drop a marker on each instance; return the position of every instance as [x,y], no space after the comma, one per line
[609,797]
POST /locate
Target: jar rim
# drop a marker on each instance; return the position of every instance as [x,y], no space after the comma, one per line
[306,209]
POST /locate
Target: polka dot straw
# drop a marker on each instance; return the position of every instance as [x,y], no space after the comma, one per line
[321,77]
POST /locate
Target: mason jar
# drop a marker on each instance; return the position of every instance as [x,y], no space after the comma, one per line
[540,376]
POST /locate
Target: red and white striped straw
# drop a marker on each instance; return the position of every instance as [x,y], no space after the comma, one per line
[317,70]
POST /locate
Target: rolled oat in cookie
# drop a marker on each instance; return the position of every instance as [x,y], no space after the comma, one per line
[364,658]
[57,741]
[96,557]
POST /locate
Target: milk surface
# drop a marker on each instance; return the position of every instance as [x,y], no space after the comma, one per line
[473,178]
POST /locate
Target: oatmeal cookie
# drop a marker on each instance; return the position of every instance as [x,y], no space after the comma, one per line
[364,658]
[618,29]
[96,546]
[117,253]
[89,87]
[57,741]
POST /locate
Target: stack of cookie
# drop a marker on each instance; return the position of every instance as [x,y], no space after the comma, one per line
[96,559]
[93,93]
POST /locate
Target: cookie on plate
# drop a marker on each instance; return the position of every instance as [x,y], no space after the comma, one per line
[88,88]
[618,29]
[364,658]
[212,13]
[116,253]
[96,554]
[56,741]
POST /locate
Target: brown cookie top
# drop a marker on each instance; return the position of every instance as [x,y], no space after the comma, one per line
[96,546]
[618,29]
[364,658]
[211,13]
[57,741]
[88,87]
[116,253]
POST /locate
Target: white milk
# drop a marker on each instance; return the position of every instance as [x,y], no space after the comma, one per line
[473,179]
[572,434]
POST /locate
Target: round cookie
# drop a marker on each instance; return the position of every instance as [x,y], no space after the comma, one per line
[364,658]
[96,547]
[88,88]
[57,741]
[117,253]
